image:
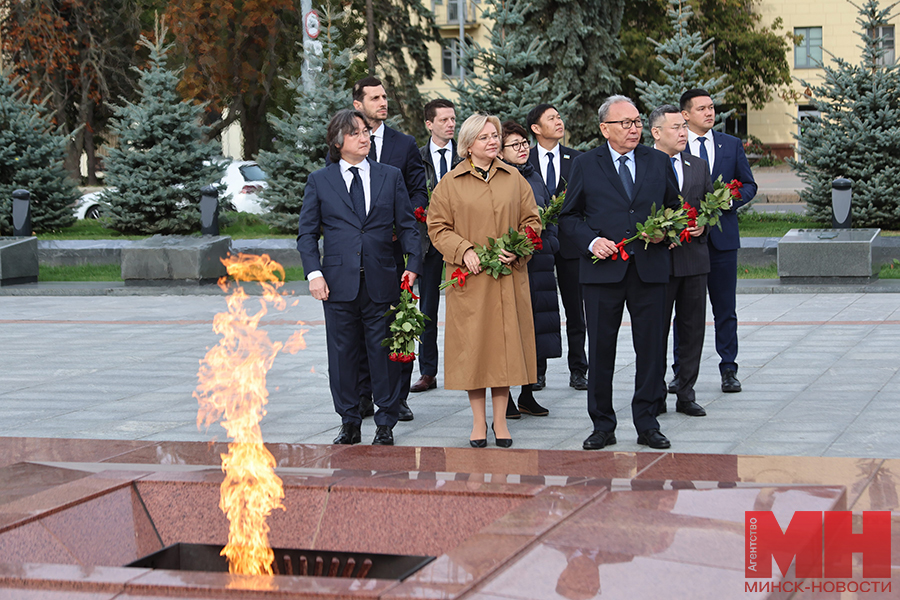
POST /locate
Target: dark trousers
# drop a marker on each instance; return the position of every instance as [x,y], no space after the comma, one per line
[353,330]
[573,304]
[604,304]
[722,285]
[428,303]
[687,295]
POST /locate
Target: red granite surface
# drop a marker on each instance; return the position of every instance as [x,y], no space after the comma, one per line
[504,525]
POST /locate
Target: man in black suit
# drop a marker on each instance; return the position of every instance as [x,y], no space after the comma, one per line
[690,262]
[439,156]
[358,204]
[390,147]
[611,190]
[554,161]
[726,158]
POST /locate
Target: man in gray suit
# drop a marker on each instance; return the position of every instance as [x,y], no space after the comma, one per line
[690,261]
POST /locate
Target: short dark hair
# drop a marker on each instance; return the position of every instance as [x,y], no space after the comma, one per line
[511,127]
[687,98]
[359,91]
[658,114]
[535,114]
[431,107]
[342,123]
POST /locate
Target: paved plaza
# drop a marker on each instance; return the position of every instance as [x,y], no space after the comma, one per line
[821,377]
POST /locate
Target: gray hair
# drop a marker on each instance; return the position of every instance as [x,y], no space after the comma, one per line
[342,123]
[603,111]
[659,114]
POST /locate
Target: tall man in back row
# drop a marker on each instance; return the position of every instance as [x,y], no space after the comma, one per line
[390,147]
[554,161]
[613,188]
[726,159]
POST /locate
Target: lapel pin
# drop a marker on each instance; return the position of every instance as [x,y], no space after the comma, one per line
[687,163]
[566,156]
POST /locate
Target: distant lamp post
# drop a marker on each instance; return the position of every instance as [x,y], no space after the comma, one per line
[841,196]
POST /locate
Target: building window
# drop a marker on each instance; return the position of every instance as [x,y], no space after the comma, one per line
[884,34]
[454,8]
[808,52]
[451,58]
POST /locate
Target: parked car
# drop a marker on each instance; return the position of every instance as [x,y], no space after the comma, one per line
[242,182]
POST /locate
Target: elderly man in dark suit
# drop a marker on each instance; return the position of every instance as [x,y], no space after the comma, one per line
[358,205]
[686,291]
[554,161]
[390,147]
[726,158]
[612,189]
[439,156]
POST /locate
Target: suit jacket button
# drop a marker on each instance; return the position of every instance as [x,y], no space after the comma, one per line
[363,230]
[631,211]
[628,231]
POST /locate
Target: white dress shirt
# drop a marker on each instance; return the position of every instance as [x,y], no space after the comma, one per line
[694,147]
[364,175]
[679,170]
[436,157]
[379,141]
[542,161]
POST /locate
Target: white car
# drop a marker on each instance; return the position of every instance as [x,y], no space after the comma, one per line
[242,182]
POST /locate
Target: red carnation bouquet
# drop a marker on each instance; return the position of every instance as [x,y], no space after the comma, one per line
[718,201]
[408,325]
[520,244]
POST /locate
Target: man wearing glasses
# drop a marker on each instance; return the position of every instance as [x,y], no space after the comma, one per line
[612,189]
[554,162]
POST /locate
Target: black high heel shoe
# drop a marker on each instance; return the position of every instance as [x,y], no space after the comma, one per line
[501,442]
[482,443]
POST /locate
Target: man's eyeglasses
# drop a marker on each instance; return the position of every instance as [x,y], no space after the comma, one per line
[627,123]
[519,146]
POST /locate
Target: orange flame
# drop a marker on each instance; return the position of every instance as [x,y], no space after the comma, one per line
[232,384]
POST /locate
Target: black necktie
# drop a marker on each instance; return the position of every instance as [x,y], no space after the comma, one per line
[357,194]
[373,153]
[672,158]
[443,152]
[703,153]
[625,176]
[551,174]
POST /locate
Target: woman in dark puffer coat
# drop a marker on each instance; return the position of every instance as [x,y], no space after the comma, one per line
[541,276]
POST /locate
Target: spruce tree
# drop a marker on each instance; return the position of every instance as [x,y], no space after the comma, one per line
[495,85]
[161,161]
[32,152]
[685,59]
[299,145]
[857,134]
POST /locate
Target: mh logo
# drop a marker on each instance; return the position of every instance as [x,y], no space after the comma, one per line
[822,543]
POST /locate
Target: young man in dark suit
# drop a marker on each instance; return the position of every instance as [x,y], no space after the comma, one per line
[554,162]
[726,158]
[612,189]
[359,205]
[439,157]
[686,291]
[390,147]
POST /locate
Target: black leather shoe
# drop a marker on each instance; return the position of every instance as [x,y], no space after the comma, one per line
[653,438]
[541,383]
[384,436]
[730,383]
[501,442]
[599,439]
[578,381]
[673,387]
[366,407]
[691,409]
[529,406]
[405,413]
[425,383]
[511,411]
[349,434]
[478,443]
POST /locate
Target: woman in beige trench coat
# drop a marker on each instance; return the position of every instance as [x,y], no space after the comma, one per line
[489,333]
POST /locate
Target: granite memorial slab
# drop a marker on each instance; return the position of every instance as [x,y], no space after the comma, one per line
[18,260]
[168,259]
[827,256]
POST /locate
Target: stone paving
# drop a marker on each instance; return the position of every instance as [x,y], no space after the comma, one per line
[821,377]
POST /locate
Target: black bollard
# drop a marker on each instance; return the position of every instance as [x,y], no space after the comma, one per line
[841,195]
[21,213]
[209,210]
